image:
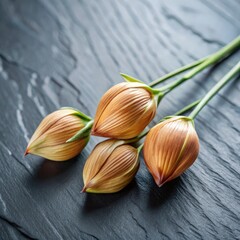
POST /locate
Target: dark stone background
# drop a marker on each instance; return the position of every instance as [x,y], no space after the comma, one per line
[68,53]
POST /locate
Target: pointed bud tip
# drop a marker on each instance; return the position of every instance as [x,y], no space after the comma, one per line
[159,182]
[84,189]
[26,152]
[93,132]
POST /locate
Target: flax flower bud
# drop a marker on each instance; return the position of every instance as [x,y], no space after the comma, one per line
[49,139]
[110,167]
[124,111]
[170,148]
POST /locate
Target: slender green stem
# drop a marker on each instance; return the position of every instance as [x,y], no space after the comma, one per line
[137,138]
[143,134]
[140,148]
[235,70]
[187,108]
[228,49]
[177,71]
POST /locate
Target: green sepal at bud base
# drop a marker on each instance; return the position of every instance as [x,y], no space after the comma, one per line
[158,94]
[79,114]
[128,78]
[83,133]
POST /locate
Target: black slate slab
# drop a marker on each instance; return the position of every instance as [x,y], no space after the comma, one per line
[68,53]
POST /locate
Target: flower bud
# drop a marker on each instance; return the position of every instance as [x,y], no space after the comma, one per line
[110,167]
[170,148]
[49,139]
[124,111]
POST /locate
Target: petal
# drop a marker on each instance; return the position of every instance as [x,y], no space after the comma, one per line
[48,121]
[59,132]
[170,148]
[61,152]
[97,159]
[126,115]
[116,171]
[110,94]
[189,155]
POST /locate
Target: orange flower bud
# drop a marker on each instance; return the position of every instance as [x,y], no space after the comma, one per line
[124,111]
[110,167]
[49,139]
[170,148]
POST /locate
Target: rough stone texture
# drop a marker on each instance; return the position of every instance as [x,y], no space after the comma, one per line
[68,53]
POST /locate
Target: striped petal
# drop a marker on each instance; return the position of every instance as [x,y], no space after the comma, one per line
[124,111]
[49,139]
[170,148]
[110,167]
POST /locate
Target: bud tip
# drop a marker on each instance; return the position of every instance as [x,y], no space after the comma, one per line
[93,132]
[26,152]
[159,181]
[84,189]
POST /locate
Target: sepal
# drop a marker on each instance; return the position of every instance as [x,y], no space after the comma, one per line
[83,133]
[128,78]
[78,113]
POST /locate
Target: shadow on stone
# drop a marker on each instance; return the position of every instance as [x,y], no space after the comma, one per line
[98,201]
[227,91]
[158,196]
[49,169]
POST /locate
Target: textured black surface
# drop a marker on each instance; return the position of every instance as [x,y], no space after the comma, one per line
[68,53]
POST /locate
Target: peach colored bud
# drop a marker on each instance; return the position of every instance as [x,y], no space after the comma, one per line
[170,148]
[124,111]
[49,139]
[110,167]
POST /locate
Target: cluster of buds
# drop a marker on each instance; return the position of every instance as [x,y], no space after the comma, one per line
[123,113]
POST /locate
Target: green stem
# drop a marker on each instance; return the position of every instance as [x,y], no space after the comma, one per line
[235,70]
[228,49]
[140,148]
[177,71]
[137,138]
[187,108]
